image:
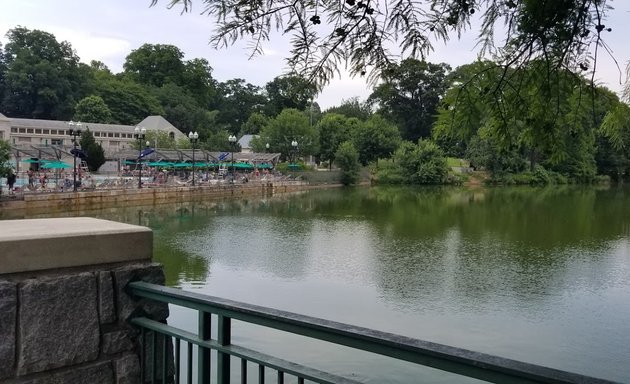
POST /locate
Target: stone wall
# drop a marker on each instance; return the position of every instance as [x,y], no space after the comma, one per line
[71,327]
[105,198]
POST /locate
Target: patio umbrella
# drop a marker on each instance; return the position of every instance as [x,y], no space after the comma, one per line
[56,165]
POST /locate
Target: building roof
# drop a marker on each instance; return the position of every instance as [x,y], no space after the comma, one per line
[244,141]
[150,123]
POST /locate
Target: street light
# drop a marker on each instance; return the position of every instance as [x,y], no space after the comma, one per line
[139,134]
[75,130]
[232,140]
[294,145]
[193,140]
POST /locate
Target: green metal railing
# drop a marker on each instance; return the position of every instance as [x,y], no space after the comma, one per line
[167,367]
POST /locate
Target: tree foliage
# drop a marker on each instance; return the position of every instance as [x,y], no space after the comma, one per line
[41,78]
[92,109]
[289,92]
[155,64]
[375,138]
[93,150]
[352,107]
[347,159]
[422,163]
[334,129]
[359,35]
[5,154]
[410,95]
[288,126]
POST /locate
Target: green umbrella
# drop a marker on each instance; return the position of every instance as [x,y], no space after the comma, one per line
[56,165]
[30,161]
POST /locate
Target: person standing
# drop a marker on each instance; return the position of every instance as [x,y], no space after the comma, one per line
[11,181]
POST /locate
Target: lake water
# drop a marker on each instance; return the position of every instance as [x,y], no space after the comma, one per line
[539,275]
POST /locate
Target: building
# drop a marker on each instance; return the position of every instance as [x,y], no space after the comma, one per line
[33,133]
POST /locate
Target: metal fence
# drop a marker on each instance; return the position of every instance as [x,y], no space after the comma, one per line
[168,351]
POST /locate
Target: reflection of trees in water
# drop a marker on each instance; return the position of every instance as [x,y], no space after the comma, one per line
[528,245]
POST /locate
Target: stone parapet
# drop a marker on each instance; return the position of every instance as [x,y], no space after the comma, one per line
[70,324]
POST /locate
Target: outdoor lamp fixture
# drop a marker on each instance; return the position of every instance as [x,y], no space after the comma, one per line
[75,130]
[193,137]
[267,147]
[294,145]
[232,140]
[139,134]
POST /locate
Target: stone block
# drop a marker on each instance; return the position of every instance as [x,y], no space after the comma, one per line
[159,355]
[127,370]
[115,341]
[58,323]
[129,307]
[8,313]
[96,373]
[106,306]
[39,244]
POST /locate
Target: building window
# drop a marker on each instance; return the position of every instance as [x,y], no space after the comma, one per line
[29,130]
[53,131]
[110,134]
[116,134]
[24,139]
[38,131]
[22,130]
[46,132]
[97,134]
[56,141]
[13,130]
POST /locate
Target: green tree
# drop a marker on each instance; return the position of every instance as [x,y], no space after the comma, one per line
[289,92]
[410,94]
[352,108]
[5,154]
[334,129]
[239,99]
[347,159]
[375,138]
[155,64]
[42,78]
[288,126]
[92,109]
[95,153]
[128,101]
[422,163]
[254,124]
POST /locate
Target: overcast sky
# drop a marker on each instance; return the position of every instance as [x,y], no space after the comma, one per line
[109,30]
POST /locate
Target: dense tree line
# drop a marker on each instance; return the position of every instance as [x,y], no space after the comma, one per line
[521,123]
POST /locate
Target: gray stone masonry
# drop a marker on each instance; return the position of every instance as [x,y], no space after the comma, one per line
[58,323]
[8,308]
[69,324]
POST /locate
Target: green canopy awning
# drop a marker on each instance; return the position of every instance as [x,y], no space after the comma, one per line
[56,165]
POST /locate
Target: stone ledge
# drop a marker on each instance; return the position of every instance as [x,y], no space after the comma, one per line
[40,244]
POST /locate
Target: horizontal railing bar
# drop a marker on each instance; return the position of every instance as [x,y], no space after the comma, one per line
[244,353]
[447,358]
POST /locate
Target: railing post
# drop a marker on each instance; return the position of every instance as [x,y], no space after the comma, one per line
[203,367]
[224,336]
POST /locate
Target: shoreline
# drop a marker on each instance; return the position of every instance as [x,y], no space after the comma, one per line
[50,202]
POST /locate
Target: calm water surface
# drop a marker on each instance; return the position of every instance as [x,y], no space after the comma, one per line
[539,275]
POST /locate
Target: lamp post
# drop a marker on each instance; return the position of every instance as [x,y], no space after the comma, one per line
[139,134]
[193,137]
[232,140]
[267,147]
[75,130]
[294,145]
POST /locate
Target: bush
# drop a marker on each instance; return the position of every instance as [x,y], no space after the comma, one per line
[347,159]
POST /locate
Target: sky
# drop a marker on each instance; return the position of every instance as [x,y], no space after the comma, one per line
[109,30]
